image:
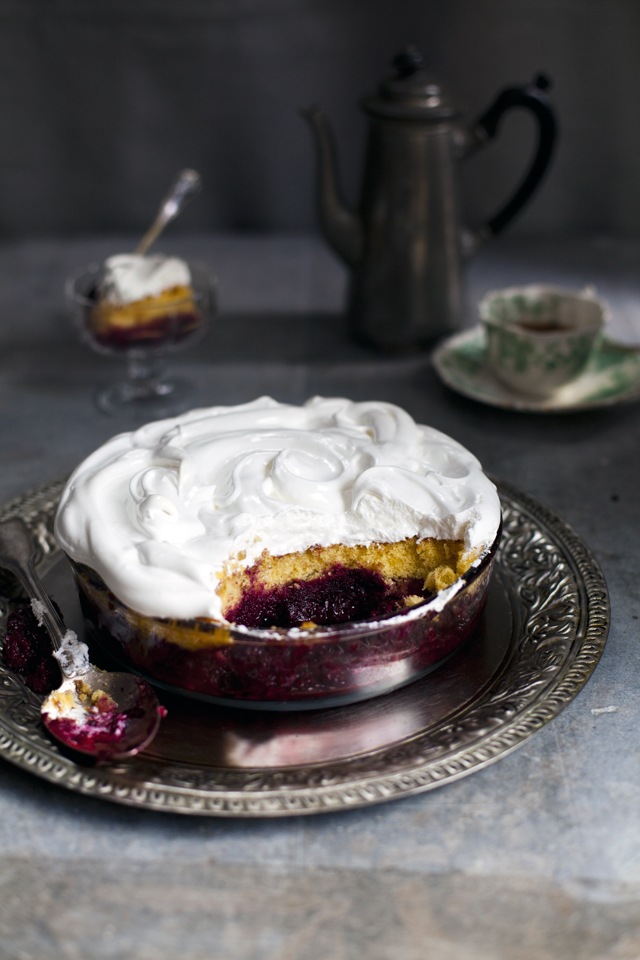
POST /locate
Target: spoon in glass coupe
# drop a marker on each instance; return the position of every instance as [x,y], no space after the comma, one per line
[103,714]
[185,186]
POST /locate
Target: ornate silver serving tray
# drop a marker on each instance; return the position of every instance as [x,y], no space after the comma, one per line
[540,638]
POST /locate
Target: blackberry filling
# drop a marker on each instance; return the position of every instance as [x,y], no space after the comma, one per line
[28,651]
[340,595]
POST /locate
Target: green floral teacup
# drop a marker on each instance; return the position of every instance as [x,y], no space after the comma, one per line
[540,337]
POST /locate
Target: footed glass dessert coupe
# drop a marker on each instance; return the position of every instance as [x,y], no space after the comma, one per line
[154,328]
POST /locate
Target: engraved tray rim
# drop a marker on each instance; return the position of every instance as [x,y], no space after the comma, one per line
[564,622]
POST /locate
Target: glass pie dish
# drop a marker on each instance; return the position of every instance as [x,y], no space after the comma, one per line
[287,668]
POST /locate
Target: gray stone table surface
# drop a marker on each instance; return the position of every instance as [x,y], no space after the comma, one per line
[537,856]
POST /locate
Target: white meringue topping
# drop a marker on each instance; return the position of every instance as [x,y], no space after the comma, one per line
[129,277]
[158,512]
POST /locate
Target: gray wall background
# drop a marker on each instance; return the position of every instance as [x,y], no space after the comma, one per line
[101,101]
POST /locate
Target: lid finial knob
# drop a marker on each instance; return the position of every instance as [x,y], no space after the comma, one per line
[408,61]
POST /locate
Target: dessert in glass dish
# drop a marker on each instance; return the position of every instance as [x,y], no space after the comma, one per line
[143,301]
[274,555]
[140,308]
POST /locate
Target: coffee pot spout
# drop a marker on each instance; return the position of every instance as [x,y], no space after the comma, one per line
[341,226]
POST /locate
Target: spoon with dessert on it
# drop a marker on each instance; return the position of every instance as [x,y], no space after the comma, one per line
[102,714]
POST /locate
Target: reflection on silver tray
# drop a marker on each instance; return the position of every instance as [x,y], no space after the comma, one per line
[543,631]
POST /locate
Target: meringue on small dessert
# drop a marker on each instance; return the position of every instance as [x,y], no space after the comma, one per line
[142,300]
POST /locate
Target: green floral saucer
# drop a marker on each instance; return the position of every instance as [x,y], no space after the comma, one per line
[612,375]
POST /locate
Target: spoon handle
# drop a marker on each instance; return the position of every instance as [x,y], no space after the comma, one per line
[187,184]
[18,553]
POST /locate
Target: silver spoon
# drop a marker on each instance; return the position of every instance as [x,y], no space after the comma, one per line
[187,184]
[106,715]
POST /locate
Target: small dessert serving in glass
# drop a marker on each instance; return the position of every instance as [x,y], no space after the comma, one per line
[141,308]
[274,556]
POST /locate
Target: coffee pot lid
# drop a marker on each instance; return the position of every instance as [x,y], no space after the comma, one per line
[411,93]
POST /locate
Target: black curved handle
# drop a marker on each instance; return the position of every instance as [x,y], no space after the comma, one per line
[532,97]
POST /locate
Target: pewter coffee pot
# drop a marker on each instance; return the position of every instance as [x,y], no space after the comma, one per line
[405,244]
